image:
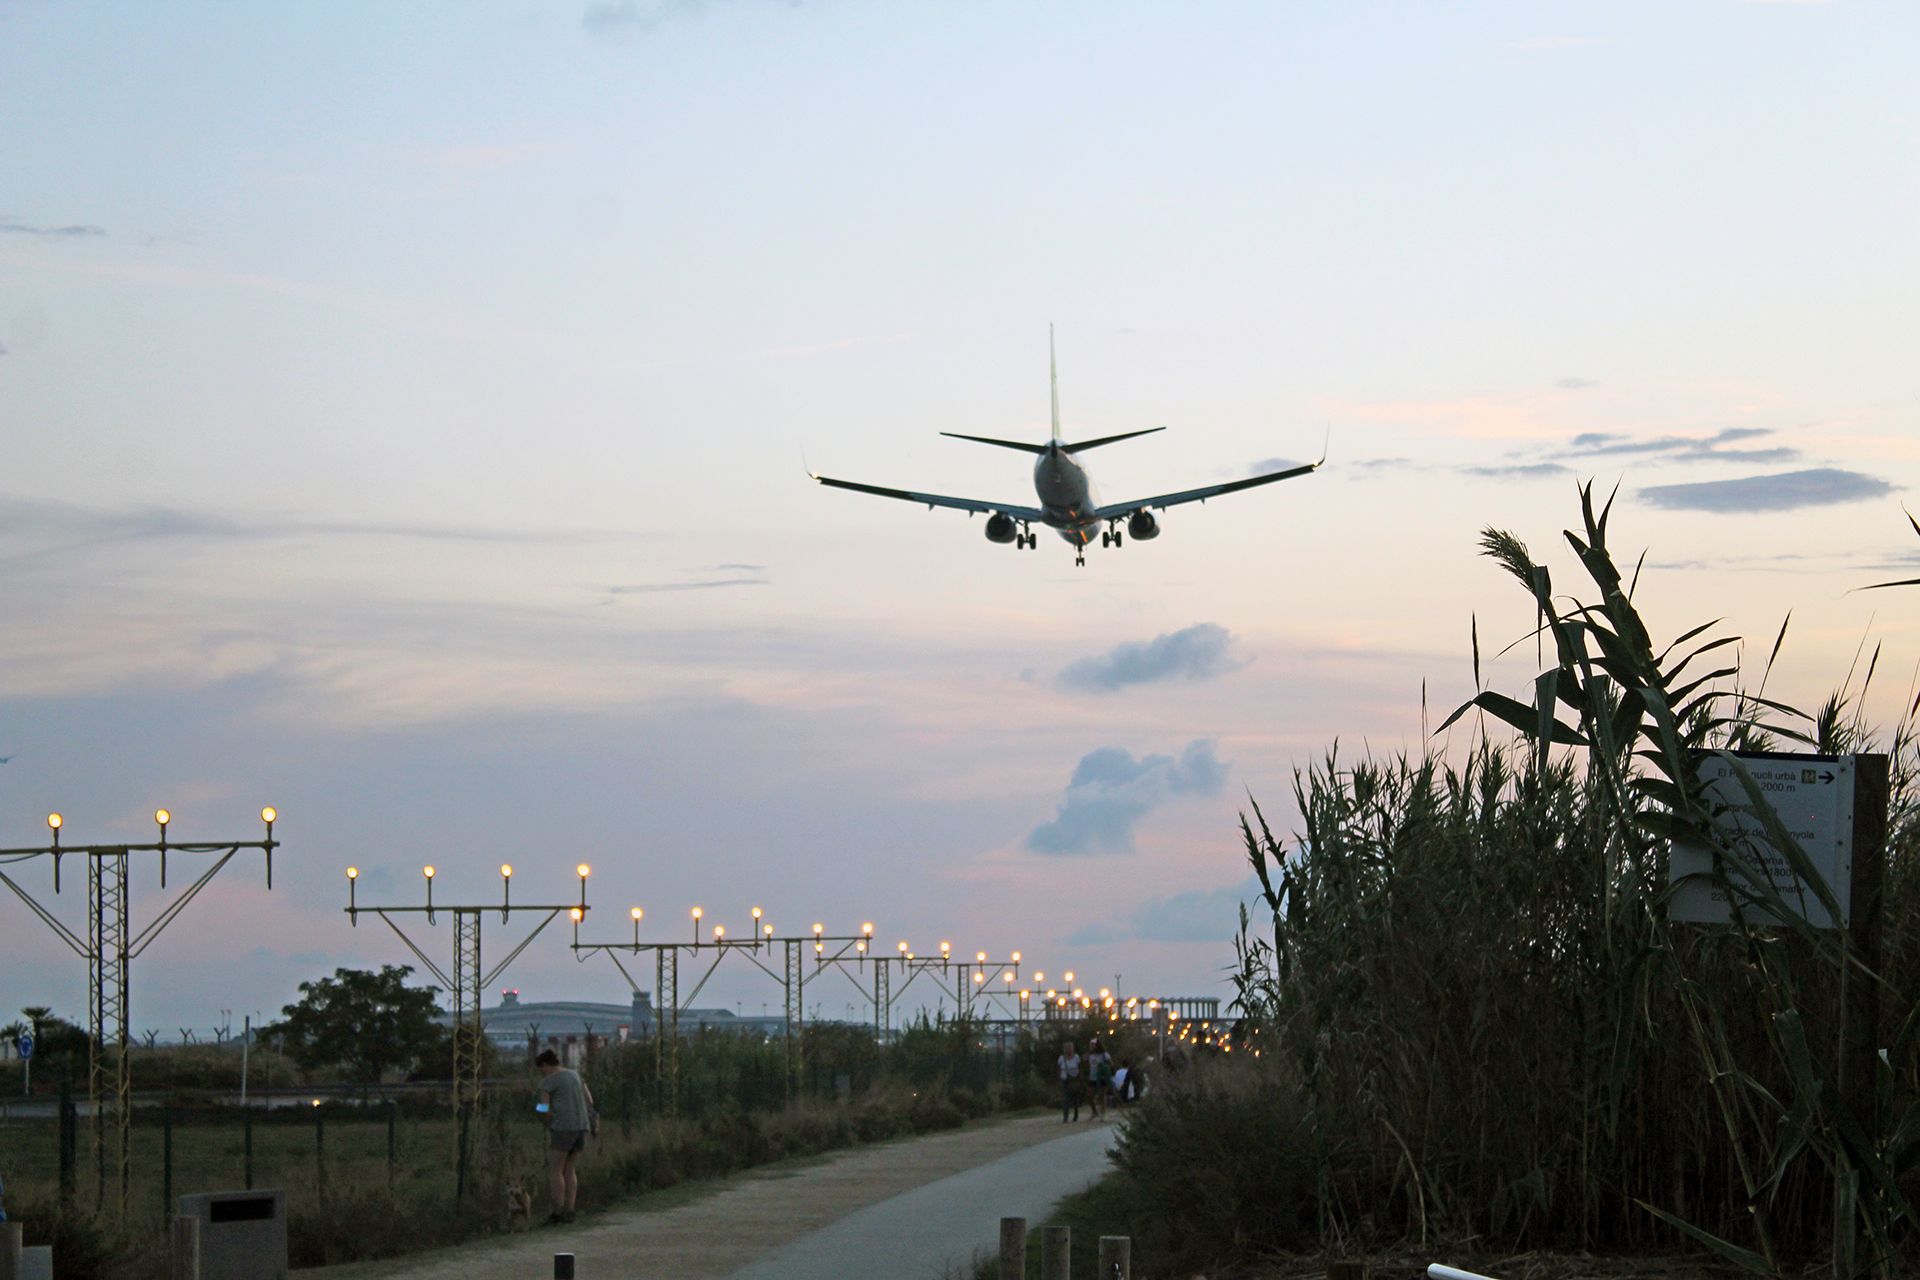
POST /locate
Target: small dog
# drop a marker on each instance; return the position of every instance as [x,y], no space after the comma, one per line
[519,1206]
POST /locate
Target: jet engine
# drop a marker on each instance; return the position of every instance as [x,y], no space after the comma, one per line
[1001,528]
[1141,525]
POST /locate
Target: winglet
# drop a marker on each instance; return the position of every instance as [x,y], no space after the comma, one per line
[1325,440]
[1053,376]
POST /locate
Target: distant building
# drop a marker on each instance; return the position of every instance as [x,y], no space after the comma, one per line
[569,1026]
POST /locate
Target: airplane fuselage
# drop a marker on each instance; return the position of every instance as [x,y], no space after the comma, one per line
[1067,498]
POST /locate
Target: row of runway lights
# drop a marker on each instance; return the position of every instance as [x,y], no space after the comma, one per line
[763,931]
[1131,1009]
[161,817]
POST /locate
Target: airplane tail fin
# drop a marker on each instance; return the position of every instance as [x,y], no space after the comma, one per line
[1095,444]
[1053,377]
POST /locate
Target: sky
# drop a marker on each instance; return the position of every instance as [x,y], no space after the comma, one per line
[406,410]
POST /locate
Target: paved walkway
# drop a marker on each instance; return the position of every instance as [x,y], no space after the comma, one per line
[937,1230]
[920,1208]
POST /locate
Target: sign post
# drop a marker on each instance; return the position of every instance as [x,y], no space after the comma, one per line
[1833,810]
[25,1045]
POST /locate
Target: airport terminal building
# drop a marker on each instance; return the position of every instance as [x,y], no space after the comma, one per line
[568,1026]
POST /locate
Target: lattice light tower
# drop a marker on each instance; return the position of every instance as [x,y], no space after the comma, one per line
[109,949]
[848,953]
[469,982]
[762,941]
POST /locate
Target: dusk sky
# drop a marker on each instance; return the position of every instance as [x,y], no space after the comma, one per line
[405,413]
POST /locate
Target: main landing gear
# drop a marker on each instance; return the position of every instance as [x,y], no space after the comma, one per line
[1111,538]
[1025,540]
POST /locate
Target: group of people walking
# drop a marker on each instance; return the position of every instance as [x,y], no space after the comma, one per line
[1093,1078]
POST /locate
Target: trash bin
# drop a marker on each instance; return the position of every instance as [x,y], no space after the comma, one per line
[243,1234]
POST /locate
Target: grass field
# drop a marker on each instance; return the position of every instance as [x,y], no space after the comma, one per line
[298,1151]
[346,1202]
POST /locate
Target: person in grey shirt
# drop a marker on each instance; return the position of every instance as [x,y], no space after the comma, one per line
[569,1111]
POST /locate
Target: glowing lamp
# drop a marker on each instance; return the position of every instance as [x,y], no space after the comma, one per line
[353,873]
[427,871]
[162,817]
[268,814]
[576,913]
[582,870]
[54,820]
[636,913]
[506,871]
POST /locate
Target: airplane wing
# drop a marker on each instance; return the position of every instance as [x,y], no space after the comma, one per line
[932,500]
[1115,509]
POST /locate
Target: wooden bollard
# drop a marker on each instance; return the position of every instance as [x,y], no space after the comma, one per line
[1116,1258]
[1056,1252]
[186,1247]
[12,1242]
[1013,1248]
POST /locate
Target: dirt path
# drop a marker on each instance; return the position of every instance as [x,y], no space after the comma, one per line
[741,1220]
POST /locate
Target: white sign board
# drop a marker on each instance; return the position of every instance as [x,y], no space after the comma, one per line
[1813,798]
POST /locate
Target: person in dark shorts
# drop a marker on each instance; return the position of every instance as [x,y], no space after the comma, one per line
[570,1118]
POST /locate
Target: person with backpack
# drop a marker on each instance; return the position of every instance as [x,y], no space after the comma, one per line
[1099,1076]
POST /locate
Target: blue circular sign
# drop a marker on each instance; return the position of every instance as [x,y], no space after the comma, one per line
[26,1045]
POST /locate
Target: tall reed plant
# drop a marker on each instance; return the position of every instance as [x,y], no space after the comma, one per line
[1471,977]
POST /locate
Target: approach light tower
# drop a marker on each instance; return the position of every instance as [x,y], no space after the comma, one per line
[109,950]
[468,983]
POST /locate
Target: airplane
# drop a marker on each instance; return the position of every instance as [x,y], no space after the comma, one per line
[1068,502]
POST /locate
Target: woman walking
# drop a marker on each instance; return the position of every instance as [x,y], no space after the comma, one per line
[1069,1063]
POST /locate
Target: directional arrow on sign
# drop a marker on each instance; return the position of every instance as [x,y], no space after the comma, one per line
[1827,776]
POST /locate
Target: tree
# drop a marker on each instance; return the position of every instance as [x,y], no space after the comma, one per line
[368,1023]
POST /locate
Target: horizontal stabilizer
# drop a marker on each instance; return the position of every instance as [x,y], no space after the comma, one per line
[1095,444]
[1021,445]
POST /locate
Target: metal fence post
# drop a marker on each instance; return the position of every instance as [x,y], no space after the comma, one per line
[12,1240]
[69,1139]
[246,1149]
[186,1248]
[1116,1258]
[320,1148]
[166,1160]
[1056,1253]
[1013,1248]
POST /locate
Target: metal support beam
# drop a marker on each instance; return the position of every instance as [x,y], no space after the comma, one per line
[108,1081]
[666,1028]
[795,987]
